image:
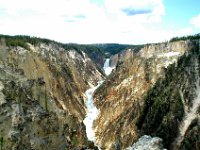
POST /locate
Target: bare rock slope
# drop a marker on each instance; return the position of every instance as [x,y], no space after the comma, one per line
[42,100]
[121,97]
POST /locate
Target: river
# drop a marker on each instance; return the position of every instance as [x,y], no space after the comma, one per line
[92,111]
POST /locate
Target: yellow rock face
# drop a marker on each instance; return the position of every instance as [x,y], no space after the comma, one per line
[120,98]
[42,101]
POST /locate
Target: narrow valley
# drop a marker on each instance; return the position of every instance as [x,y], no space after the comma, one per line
[80,97]
[92,111]
[99,74]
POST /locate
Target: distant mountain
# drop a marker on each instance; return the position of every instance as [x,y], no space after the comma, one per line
[113,48]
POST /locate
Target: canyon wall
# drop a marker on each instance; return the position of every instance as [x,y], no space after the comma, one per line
[154,91]
[121,97]
[42,100]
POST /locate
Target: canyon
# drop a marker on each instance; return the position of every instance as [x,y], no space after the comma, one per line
[42,96]
[120,98]
[92,111]
[62,96]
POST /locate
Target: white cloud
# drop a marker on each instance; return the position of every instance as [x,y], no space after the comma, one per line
[196,21]
[82,21]
[154,7]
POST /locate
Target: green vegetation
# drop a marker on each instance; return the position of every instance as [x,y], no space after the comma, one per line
[93,52]
[22,40]
[97,52]
[192,138]
[2,143]
[163,109]
[112,48]
[190,37]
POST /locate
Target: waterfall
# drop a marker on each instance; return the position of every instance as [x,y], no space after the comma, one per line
[107,63]
[92,111]
[107,68]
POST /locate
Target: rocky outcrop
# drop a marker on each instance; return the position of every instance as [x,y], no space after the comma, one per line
[42,100]
[121,97]
[151,92]
[171,106]
[120,57]
[147,143]
[165,49]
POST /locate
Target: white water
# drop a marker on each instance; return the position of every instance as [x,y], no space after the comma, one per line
[107,68]
[92,111]
[190,115]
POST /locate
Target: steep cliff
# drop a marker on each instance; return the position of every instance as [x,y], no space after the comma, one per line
[124,55]
[42,100]
[171,108]
[121,97]
[121,57]
[153,91]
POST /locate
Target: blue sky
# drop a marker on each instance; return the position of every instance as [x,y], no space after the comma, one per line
[101,21]
[179,12]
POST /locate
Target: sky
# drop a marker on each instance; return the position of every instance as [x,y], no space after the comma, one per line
[101,21]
